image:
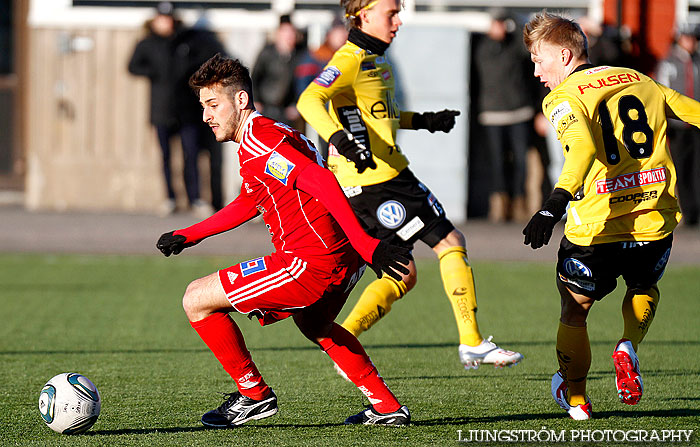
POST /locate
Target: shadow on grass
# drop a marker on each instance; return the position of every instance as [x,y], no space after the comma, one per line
[312,347]
[472,420]
[518,343]
[547,377]
[607,374]
[309,347]
[150,431]
[457,421]
[106,351]
[674,413]
[143,431]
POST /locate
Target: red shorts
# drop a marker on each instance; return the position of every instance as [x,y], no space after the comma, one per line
[276,286]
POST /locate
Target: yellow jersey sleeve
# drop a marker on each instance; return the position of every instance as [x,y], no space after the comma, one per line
[611,123]
[680,106]
[336,77]
[574,133]
[359,88]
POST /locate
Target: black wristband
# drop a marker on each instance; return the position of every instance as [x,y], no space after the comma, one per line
[557,201]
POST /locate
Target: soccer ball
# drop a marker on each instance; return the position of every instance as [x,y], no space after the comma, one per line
[69,403]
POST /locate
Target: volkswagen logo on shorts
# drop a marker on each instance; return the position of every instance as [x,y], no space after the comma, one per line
[391,214]
[574,267]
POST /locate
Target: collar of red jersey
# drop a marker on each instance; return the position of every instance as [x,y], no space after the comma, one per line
[250,118]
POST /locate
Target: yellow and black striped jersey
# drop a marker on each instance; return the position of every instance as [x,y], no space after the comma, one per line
[360,88]
[611,123]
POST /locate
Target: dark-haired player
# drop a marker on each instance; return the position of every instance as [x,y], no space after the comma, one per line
[310,275]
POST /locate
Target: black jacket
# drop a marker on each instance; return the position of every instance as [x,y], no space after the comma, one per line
[273,82]
[168,63]
[504,74]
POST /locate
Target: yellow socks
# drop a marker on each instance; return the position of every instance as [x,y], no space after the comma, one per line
[638,312]
[574,356]
[374,303]
[458,280]
[574,349]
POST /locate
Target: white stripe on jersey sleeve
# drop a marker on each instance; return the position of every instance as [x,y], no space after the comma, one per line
[248,144]
[254,145]
[255,150]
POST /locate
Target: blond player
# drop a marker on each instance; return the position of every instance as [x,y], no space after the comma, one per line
[618,181]
[393,205]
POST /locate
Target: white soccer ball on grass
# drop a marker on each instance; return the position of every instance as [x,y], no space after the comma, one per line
[69,403]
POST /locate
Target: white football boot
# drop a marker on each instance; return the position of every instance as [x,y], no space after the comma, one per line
[560,389]
[487,352]
[628,379]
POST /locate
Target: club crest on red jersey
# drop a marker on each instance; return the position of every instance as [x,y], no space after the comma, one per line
[279,167]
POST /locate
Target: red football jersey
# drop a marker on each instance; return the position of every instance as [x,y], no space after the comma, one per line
[271,156]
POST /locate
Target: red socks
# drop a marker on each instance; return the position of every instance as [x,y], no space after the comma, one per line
[225,340]
[344,349]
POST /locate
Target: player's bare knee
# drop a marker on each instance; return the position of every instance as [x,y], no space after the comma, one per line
[191,301]
[574,307]
[454,238]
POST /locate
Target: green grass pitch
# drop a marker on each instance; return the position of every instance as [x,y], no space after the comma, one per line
[119,321]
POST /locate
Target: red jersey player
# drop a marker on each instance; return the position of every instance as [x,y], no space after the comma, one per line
[310,275]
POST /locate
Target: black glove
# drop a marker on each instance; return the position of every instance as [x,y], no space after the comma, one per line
[433,121]
[170,243]
[353,150]
[390,259]
[539,229]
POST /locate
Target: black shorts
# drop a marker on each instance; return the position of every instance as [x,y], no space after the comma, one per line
[593,271]
[400,211]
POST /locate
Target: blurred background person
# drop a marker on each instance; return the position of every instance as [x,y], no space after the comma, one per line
[310,63]
[167,56]
[273,75]
[505,108]
[607,45]
[681,71]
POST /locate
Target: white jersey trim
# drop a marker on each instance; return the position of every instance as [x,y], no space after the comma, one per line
[251,143]
[274,203]
[301,207]
[574,214]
